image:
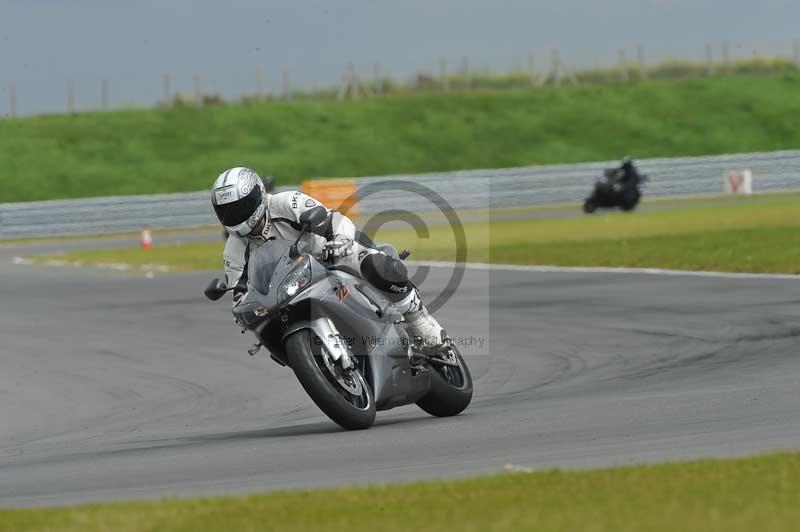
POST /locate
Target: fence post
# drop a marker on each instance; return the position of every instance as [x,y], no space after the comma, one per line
[532,69]
[167,85]
[286,84]
[623,66]
[343,87]
[726,57]
[351,81]
[12,99]
[71,97]
[198,89]
[259,82]
[466,73]
[709,61]
[351,84]
[104,94]
[642,62]
[796,46]
[443,81]
[358,89]
[555,67]
[378,80]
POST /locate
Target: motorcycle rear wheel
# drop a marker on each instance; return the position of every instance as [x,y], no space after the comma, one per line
[332,393]
[451,387]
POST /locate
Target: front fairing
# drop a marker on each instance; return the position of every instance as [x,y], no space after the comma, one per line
[268,266]
[363,317]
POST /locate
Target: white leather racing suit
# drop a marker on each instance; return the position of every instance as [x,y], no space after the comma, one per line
[283,215]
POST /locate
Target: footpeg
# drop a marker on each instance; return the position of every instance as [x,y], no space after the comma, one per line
[418,359]
[253,350]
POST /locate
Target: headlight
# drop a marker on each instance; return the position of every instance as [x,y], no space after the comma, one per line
[295,281]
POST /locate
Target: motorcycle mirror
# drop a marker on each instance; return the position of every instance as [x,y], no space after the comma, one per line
[314,216]
[293,252]
[215,289]
[311,218]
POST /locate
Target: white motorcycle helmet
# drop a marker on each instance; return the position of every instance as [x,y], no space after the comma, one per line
[239,199]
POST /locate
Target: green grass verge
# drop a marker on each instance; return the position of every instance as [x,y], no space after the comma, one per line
[760,235]
[182,149]
[761,493]
[179,257]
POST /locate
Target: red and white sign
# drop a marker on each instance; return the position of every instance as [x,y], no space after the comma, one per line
[739,182]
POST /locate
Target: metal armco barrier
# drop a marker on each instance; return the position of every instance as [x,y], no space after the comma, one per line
[473,189]
[559,184]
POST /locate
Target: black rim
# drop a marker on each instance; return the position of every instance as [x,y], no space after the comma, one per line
[341,380]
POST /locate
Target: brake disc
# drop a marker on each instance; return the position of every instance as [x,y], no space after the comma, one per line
[349,380]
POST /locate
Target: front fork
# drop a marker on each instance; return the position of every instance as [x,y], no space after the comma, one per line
[330,337]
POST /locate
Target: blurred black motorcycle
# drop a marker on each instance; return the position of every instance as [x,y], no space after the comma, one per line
[615,189]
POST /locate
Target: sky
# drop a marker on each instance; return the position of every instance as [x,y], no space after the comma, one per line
[133,44]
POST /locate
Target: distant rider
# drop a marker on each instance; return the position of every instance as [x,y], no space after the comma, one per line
[253,216]
[627,175]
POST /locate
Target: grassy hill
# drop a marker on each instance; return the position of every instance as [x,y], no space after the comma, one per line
[182,149]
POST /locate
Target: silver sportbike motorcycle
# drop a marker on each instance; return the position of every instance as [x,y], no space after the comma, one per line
[341,336]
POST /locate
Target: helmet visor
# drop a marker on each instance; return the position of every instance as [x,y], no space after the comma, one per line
[237,212]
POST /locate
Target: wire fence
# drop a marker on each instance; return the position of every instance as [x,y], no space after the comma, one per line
[552,68]
[466,190]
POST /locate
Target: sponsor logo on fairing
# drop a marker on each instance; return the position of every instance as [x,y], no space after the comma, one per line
[342,293]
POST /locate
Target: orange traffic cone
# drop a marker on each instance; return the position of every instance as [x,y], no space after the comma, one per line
[147,239]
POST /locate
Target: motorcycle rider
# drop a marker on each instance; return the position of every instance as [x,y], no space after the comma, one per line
[252,217]
[269,188]
[627,175]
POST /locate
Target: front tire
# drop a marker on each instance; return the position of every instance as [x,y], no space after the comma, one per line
[348,410]
[630,200]
[451,387]
[589,206]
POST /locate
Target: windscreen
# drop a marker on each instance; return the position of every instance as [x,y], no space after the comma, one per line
[263,262]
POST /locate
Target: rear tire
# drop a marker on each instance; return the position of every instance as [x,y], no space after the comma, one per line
[589,206]
[450,392]
[348,411]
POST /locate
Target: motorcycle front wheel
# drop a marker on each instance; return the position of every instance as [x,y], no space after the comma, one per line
[630,200]
[344,396]
[451,386]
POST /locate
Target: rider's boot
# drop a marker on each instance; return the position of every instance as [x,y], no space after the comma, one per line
[422,326]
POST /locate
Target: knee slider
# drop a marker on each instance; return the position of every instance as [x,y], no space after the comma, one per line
[386,274]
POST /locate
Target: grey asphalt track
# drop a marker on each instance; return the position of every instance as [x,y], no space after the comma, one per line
[115,386]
